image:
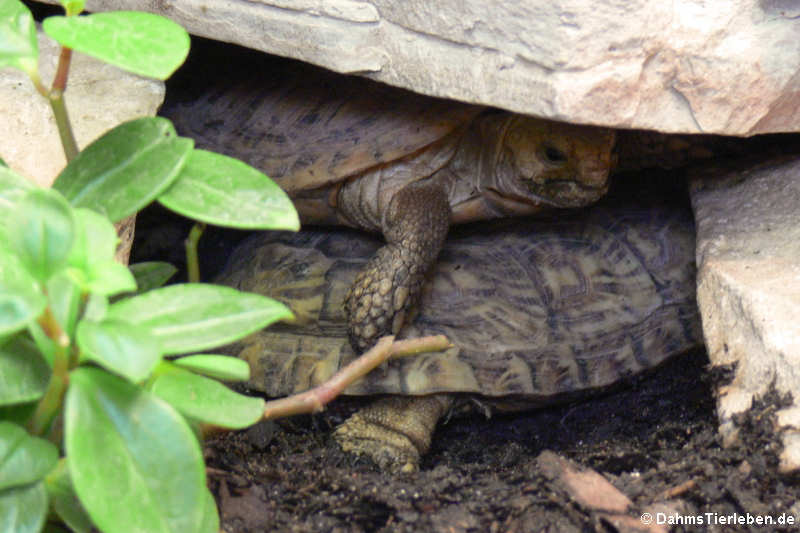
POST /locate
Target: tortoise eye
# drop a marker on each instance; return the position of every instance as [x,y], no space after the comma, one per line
[553,155]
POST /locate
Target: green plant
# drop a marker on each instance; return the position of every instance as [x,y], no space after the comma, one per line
[97,427]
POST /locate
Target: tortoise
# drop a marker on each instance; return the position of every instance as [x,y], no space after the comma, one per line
[538,312]
[358,153]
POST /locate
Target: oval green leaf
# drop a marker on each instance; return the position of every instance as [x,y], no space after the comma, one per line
[23,459]
[195,316]
[221,367]
[142,43]
[126,168]
[96,308]
[211,516]
[41,232]
[221,190]
[123,348]
[64,500]
[18,45]
[134,462]
[92,257]
[23,509]
[12,188]
[108,278]
[151,274]
[95,239]
[207,400]
[24,374]
[21,298]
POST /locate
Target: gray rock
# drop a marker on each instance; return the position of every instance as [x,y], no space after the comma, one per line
[729,66]
[98,97]
[748,253]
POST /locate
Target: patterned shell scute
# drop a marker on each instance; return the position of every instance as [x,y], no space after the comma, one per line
[307,128]
[535,309]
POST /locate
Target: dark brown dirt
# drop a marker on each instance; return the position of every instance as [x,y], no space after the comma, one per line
[655,441]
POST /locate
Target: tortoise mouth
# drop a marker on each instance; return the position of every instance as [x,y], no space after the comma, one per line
[566,193]
[555,193]
[511,204]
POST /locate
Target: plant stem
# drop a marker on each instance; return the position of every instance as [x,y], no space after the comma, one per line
[38,85]
[56,99]
[408,347]
[192,262]
[314,400]
[50,404]
[62,123]
[62,72]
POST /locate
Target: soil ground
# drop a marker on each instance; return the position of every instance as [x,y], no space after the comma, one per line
[654,439]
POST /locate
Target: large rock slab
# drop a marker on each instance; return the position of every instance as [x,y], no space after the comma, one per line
[98,97]
[728,66]
[748,253]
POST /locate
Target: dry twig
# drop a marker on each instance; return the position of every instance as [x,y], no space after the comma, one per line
[314,400]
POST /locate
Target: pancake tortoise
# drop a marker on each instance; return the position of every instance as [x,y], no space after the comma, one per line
[538,312]
[366,155]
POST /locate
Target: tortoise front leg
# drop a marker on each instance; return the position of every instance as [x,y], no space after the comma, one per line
[414,226]
[394,431]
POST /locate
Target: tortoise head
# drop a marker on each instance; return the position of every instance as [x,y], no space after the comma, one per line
[541,162]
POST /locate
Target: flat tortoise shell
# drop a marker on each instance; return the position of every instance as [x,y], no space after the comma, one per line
[537,310]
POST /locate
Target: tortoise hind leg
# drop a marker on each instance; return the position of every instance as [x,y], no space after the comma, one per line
[394,431]
[415,226]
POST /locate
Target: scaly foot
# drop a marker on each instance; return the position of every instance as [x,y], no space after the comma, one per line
[394,431]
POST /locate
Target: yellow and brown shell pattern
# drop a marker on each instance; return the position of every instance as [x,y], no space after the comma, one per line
[536,309]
